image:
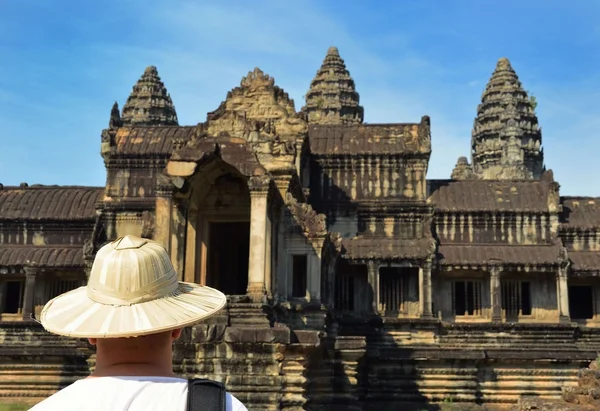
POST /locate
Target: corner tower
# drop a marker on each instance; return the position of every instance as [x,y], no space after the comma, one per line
[332,98]
[149,104]
[506,139]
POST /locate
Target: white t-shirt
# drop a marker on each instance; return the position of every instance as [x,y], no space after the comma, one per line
[125,394]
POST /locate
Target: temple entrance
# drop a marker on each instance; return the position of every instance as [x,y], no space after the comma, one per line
[228,254]
[220,209]
[581,302]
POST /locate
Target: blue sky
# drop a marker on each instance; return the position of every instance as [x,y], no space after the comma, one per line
[65,62]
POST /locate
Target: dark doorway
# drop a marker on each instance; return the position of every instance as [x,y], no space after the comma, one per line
[14,297]
[228,253]
[581,302]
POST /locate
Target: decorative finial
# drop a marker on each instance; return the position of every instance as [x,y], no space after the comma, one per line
[333,51]
[115,117]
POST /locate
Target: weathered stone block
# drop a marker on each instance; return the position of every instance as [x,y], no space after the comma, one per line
[208,333]
[257,335]
[307,337]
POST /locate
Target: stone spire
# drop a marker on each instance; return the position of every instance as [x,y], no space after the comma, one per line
[149,104]
[506,117]
[462,170]
[332,98]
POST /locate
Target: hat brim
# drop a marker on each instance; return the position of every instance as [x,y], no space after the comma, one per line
[74,314]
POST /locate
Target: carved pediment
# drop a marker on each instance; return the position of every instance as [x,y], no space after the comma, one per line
[264,116]
[257,110]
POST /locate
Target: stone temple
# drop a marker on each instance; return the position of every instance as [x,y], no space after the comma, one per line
[354,282]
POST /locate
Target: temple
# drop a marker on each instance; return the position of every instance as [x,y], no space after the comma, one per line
[354,282]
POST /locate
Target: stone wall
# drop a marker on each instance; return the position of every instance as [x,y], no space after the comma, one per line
[358,364]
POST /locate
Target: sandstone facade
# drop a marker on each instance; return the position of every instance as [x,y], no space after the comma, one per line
[354,282]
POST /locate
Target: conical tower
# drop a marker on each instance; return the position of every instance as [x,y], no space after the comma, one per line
[149,104]
[506,116]
[332,98]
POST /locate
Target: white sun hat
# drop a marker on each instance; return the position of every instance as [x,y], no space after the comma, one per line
[132,291]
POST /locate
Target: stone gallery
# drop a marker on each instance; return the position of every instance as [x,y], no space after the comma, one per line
[354,282]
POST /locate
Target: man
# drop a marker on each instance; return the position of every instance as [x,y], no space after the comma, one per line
[132,309]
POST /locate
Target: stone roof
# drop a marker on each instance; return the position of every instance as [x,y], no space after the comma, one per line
[505,116]
[585,260]
[43,256]
[332,97]
[365,139]
[149,103]
[49,202]
[144,141]
[580,212]
[387,248]
[487,195]
[527,255]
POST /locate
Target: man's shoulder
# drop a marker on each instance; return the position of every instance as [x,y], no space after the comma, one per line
[70,396]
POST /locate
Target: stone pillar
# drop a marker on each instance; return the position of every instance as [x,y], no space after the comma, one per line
[425,291]
[562,295]
[259,190]
[495,296]
[372,271]
[191,248]
[164,215]
[28,299]
[2,296]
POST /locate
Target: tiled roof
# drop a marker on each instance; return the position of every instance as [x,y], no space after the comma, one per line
[150,140]
[585,260]
[497,254]
[489,195]
[378,247]
[361,139]
[44,256]
[583,212]
[49,202]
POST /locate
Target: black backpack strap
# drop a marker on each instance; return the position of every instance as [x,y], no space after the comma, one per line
[205,395]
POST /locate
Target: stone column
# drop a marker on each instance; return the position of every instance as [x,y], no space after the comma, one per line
[425,291]
[372,270]
[2,297]
[191,248]
[562,295]
[28,299]
[495,296]
[164,215]
[259,190]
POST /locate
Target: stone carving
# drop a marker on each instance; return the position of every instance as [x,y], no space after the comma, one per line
[425,134]
[312,224]
[149,103]
[115,117]
[332,98]
[88,248]
[259,183]
[506,115]
[462,170]
[147,224]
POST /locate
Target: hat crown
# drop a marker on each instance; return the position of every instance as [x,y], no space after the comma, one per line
[131,270]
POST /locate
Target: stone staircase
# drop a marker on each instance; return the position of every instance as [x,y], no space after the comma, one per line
[585,396]
[559,338]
